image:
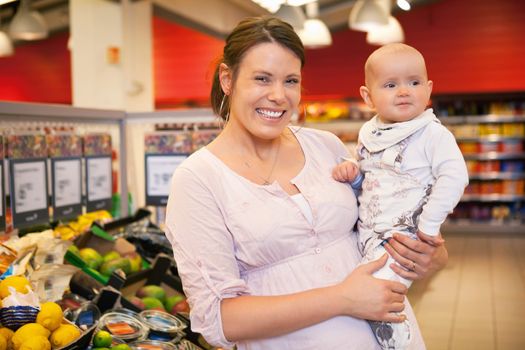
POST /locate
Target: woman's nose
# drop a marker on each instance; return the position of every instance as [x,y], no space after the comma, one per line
[277,92]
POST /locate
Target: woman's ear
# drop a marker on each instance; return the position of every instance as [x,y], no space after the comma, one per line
[225,77]
[365,94]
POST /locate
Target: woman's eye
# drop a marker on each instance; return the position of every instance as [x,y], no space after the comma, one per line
[262,79]
[292,81]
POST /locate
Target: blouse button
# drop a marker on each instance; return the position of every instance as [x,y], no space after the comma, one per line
[317,250]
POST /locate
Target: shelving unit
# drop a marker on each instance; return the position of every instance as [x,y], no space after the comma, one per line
[38,115]
[493,148]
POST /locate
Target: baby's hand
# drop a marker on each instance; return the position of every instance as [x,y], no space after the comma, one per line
[345,171]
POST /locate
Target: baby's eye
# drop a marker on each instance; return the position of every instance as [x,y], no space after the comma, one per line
[390,85]
[415,83]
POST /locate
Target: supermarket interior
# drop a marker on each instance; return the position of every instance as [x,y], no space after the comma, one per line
[102,100]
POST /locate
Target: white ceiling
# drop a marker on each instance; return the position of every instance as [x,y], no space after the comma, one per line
[196,13]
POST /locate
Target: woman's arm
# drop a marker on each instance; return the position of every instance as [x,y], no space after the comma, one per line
[360,295]
[420,257]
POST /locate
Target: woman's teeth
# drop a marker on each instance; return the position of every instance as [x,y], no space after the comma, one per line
[270,114]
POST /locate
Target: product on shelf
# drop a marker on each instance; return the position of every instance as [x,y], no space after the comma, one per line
[491,136]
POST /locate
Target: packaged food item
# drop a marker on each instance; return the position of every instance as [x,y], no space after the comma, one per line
[488,166]
[512,166]
[513,187]
[152,345]
[122,326]
[512,146]
[488,146]
[491,187]
[490,129]
[468,147]
[162,326]
[513,129]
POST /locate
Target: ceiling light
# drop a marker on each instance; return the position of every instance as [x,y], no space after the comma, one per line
[6,47]
[299,2]
[271,5]
[403,5]
[293,15]
[27,24]
[391,33]
[367,14]
[315,34]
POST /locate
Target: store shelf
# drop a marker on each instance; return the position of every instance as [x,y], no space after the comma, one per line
[483,227]
[490,138]
[494,156]
[495,175]
[495,197]
[483,119]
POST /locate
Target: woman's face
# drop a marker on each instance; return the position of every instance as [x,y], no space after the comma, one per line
[266,91]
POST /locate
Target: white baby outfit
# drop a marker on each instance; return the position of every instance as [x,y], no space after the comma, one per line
[414,175]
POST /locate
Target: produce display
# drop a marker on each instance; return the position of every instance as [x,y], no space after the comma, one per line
[67,308]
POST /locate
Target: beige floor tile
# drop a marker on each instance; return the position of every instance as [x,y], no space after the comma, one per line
[478,300]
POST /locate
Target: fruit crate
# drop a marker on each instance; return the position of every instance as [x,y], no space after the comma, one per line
[103,242]
[161,274]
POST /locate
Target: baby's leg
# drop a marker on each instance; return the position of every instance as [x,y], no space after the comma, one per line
[391,336]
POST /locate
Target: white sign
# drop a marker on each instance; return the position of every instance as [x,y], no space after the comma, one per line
[30,186]
[67,182]
[159,170]
[99,178]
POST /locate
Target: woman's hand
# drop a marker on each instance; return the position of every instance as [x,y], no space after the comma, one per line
[367,297]
[418,258]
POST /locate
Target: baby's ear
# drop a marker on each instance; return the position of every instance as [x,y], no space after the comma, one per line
[365,94]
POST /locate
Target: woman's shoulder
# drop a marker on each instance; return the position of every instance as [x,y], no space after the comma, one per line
[197,164]
[316,136]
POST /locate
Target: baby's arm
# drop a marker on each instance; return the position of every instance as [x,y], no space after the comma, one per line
[348,171]
[450,171]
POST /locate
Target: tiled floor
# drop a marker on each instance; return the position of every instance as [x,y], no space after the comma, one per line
[478,301]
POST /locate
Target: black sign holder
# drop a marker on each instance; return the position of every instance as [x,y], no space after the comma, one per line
[61,184]
[20,191]
[159,169]
[99,202]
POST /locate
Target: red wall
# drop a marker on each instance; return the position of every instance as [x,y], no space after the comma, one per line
[39,71]
[471,46]
[183,63]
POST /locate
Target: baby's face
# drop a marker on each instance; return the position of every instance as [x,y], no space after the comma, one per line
[398,86]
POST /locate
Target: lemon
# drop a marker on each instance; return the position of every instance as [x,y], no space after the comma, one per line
[20,283]
[26,332]
[6,333]
[3,343]
[50,315]
[38,342]
[102,339]
[64,335]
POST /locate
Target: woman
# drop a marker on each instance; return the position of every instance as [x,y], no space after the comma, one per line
[262,234]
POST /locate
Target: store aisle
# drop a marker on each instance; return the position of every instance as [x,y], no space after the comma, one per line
[478,300]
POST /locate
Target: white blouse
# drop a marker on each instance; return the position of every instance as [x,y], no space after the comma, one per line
[233,237]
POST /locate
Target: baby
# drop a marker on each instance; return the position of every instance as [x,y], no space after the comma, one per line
[410,170]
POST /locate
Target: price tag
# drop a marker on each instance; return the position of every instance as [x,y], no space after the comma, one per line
[2,197]
[159,169]
[98,183]
[29,192]
[67,187]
